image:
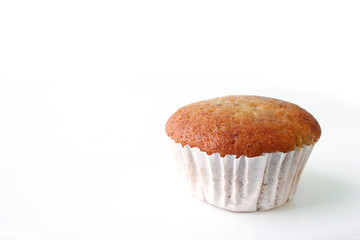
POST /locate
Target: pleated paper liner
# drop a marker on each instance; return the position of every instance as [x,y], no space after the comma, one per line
[242,184]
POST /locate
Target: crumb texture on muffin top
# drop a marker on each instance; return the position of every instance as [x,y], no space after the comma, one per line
[243,125]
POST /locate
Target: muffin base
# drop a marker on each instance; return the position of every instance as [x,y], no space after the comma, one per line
[242,184]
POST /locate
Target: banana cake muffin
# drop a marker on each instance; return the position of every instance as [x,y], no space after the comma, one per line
[242,153]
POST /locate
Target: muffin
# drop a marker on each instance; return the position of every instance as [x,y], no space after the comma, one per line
[242,153]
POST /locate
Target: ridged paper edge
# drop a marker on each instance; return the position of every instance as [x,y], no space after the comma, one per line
[242,184]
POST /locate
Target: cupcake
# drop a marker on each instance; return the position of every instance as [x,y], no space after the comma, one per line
[242,153]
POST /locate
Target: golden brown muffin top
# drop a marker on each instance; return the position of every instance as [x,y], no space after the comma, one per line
[243,125]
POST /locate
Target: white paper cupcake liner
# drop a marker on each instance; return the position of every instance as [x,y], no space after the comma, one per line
[242,184]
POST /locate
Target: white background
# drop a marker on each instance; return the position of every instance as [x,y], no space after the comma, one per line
[86,88]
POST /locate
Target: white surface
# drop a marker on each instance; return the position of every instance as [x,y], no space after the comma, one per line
[87,86]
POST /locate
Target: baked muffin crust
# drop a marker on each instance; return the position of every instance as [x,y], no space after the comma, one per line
[243,125]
